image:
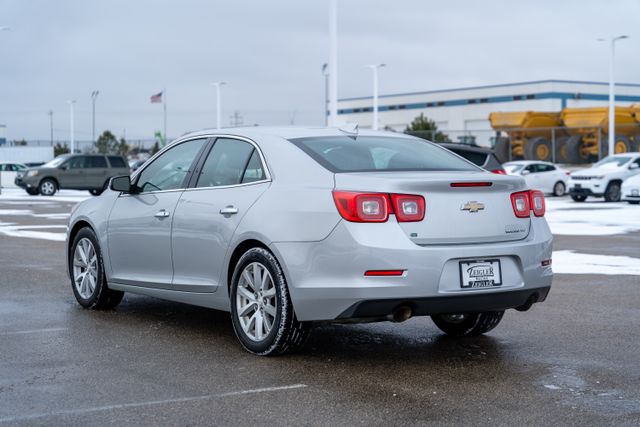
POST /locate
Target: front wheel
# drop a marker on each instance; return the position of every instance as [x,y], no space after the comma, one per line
[465,324]
[578,197]
[47,187]
[261,310]
[86,270]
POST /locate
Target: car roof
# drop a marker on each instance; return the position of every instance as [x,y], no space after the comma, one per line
[466,147]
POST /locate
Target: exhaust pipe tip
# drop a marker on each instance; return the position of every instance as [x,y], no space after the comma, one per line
[401,314]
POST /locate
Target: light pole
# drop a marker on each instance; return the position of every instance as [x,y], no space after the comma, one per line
[375,68]
[51,125]
[71,125]
[333,63]
[94,95]
[612,96]
[218,111]
[325,73]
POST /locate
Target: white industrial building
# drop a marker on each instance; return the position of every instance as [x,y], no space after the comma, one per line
[465,111]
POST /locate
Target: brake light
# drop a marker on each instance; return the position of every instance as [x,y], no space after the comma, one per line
[408,208]
[471,184]
[520,203]
[383,273]
[362,207]
[499,171]
[537,202]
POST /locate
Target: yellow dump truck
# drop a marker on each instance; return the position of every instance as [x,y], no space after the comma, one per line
[529,132]
[578,133]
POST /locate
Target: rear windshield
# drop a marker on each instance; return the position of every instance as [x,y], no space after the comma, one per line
[473,156]
[379,153]
[117,162]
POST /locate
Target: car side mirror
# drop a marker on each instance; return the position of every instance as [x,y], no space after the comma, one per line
[525,172]
[121,184]
[64,167]
[634,166]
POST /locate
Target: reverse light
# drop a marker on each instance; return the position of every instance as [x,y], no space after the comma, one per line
[408,208]
[537,202]
[520,203]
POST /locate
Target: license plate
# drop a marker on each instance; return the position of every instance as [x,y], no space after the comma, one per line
[485,273]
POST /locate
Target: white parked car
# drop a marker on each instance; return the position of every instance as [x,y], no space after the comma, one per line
[604,178]
[543,176]
[8,172]
[631,190]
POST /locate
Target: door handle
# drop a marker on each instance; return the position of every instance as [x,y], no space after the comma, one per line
[229,210]
[161,214]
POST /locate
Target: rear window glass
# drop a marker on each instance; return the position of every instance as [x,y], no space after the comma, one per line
[473,156]
[95,162]
[378,153]
[117,162]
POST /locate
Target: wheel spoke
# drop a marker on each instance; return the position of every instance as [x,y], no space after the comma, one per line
[245,293]
[246,309]
[258,325]
[270,310]
[257,278]
[247,278]
[265,280]
[271,292]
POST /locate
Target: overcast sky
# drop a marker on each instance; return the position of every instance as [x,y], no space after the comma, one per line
[271,54]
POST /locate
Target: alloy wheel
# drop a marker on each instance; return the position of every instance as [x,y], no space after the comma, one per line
[256,301]
[47,188]
[85,268]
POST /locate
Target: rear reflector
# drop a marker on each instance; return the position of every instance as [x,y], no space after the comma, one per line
[546,262]
[385,273]
[471,184]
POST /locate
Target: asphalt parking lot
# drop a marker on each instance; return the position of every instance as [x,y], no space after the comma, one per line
[573,360]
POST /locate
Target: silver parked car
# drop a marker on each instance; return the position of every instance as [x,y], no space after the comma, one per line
[286,226]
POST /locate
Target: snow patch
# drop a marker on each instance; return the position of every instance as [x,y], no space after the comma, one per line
[566,217]
[570,262]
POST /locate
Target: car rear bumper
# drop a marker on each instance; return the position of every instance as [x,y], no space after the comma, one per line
[326,278]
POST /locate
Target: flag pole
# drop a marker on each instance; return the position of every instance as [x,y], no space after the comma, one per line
[164,104]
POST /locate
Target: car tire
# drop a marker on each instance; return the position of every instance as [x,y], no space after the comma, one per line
[263,317]
[559,189]
[573,151]
[47,187]
[32,191]
[633,202]
[538,148]
[86,270]
[578,197]
[468,324]
[612,193]
[501,149]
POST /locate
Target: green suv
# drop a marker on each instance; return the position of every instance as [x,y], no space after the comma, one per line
[74,172]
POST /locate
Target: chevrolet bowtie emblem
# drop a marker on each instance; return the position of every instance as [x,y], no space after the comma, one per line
[472,207]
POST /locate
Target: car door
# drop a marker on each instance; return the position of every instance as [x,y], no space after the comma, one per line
[232,177]
[139,227]
[72,172]
[529,173]
[547,177]
[96,172]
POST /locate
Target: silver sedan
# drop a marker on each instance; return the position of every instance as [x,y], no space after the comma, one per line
[283,227]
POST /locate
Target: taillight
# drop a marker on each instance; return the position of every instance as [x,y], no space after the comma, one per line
[408,208]
[537,203]
[376,207]
[499,171]
[520,203]
[362,207]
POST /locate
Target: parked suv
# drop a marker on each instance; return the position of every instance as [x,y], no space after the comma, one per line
[604,178]
[72,171]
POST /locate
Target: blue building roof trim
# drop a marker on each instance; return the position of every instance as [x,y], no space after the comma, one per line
[428,92]
[563,96]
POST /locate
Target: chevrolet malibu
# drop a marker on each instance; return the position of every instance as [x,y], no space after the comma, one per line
[283,227]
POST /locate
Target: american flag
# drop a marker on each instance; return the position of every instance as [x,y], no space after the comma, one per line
[157,98]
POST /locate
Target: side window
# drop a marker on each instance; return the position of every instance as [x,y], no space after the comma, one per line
[4,167]
[19,167]
[226,164]
[96,162]
[77,162]
[637,161]
[531,168]
[117,162]
[254,171]
[170,169]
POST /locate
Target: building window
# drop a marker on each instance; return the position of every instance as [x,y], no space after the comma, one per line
[531,97]
[517,98]
[392,107]
[484,100]
[440,104]
[356,110]
[429,104]
[401,107]
[471,101]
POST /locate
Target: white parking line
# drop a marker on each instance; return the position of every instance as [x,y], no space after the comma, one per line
[33,331]
[148,403]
